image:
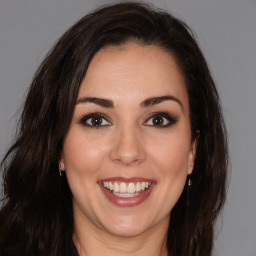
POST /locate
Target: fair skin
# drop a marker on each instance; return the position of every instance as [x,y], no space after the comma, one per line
[140,133]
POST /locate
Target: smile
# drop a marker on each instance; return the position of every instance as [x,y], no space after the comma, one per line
[126,192]
[123,189]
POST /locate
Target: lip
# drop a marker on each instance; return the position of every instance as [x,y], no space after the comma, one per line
[130,201]
[127,180]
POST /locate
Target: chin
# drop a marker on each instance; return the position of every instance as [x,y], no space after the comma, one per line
[131,231]
[127,226]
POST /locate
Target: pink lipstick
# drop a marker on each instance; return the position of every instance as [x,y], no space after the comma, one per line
[127,192]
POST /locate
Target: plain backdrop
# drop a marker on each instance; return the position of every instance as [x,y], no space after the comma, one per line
[226,31]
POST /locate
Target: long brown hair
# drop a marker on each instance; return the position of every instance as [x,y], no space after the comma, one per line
[36,217]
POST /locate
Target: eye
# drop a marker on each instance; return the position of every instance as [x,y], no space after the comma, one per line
[94,120]
[161,120]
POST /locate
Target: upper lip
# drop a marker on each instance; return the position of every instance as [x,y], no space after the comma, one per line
[127,180]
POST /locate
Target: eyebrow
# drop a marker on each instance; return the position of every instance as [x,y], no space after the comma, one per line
[156,100]
[146,103]
[99,101]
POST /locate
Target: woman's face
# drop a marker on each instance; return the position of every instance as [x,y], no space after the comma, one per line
[128,150]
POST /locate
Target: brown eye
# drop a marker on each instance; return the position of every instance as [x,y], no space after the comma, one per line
[157,120]
[161,120]
[94,120]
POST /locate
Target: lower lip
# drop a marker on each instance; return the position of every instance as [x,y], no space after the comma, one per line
[127,202]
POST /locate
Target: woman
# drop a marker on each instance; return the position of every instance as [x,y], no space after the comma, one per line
[121,147]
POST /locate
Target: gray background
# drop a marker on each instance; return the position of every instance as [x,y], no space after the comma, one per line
[226,30]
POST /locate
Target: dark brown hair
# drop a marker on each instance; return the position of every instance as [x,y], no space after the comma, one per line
[36,217]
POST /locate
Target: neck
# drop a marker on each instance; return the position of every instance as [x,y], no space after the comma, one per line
[91,241]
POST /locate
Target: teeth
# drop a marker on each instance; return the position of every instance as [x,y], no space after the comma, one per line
[129,189]
[125,195]
[116,187]
[122,187]
[111,186]
[138,187]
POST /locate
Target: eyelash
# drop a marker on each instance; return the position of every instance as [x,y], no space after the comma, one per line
[84,120]
[164,117]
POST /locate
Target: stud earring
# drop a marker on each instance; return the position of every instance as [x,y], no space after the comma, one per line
[60,173]
[189,186]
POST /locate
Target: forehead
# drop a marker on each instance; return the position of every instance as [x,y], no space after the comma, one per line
[133,71]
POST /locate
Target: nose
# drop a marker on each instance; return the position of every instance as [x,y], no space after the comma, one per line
[128,147]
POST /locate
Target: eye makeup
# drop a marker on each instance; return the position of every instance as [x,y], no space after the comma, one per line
[156,120]
[94,120]
[161,120]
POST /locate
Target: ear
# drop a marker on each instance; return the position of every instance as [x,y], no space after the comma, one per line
[61,162]
[192,153]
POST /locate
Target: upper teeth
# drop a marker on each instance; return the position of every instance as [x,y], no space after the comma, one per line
[122,187]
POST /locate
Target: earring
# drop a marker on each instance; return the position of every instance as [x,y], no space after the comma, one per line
[60,170]
[189,186]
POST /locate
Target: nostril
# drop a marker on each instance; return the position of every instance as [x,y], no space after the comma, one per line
[127,148]
[126,161]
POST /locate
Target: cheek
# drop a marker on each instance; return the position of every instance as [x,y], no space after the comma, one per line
[170,162]
[81,155]
[172,155]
